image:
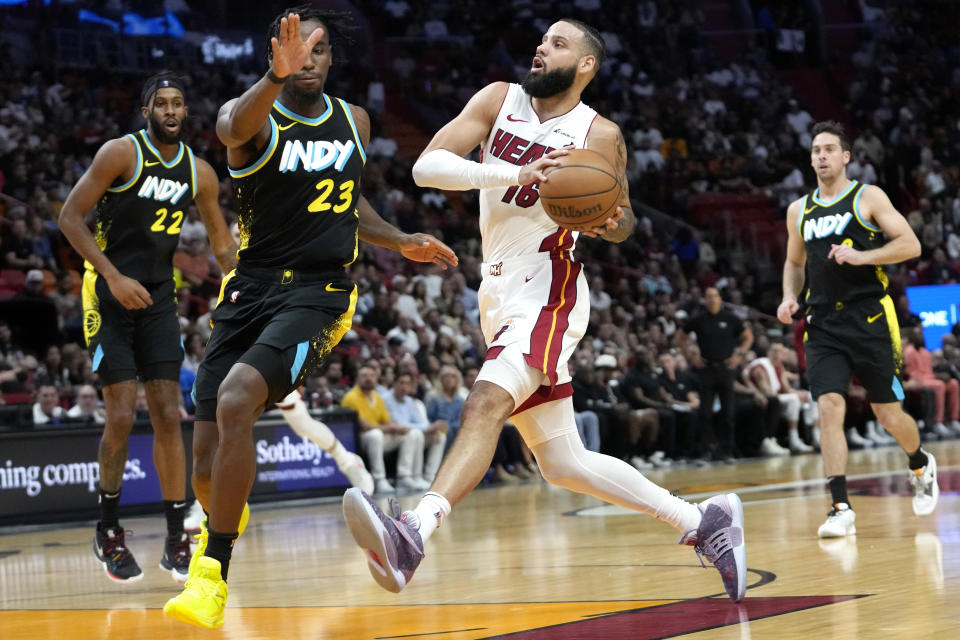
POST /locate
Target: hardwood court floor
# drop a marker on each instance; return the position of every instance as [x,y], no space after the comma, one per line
[537,562]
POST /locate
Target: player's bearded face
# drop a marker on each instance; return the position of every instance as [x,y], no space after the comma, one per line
[161,126]
[549,83]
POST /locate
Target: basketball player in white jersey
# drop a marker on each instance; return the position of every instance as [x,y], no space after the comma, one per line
[534,309]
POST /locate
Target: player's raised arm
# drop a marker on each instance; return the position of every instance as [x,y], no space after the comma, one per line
[606,139]
[442,165]
[245,118]
[793,275]
[115,159]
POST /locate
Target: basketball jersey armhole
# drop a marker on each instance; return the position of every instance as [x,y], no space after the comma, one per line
[136,174]
[268,151]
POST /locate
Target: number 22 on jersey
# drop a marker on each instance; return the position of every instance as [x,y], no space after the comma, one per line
[158,226]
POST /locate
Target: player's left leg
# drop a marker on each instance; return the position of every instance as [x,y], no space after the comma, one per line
[170,461]
[715,527]
[295,412]
[923,466]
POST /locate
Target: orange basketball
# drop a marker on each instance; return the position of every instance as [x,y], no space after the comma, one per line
[582,191]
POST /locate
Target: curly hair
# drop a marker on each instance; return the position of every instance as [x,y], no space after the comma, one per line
[339,23]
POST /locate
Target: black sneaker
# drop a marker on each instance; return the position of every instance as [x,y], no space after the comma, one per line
[110,548]
[176,557]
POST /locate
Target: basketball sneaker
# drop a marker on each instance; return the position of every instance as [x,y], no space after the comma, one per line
[926,490]
[839,522]
[357,473]
[392,546]
[203,536]
[110,547]
[720,540]
[203,598]
[176,557]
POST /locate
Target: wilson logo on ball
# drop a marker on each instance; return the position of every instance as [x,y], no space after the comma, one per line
[559,211]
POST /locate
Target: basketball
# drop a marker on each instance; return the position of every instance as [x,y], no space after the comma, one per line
[582,191]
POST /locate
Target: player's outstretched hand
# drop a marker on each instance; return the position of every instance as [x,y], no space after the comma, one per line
[786,310]
[423,247]
[130,293]
[533,172]
[609,224]
[290,50]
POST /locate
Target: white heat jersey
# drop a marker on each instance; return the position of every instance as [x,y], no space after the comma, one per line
[512,219]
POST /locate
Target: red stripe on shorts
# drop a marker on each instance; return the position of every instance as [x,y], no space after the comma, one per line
[545,394]
[546,339]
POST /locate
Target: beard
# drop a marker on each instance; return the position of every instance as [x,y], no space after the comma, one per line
[158,130]
[549,83]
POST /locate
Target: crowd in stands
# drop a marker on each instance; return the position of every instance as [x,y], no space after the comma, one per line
[696,122]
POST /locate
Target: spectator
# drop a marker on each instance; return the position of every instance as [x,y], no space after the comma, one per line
[408,411]
[379,434]
[45,409]
[723,340]
[446,404]
[918,362]
[87,409]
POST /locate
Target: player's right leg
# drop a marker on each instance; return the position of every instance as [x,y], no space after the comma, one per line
[108,329]
[394,543]
[109,541]
[829,370]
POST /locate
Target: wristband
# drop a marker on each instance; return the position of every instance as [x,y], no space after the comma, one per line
[274,78]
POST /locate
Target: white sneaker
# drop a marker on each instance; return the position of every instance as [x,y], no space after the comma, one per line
[383,486]
[926,491]
[839,522]
[797,445]
[640,464]
[412,484]
[357,473]
[856,441]
[878,434]
[770,447]
[955,427]
[941,430]
[815,436]
[191,523]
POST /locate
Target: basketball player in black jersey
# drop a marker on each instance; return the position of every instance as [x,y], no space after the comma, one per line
[296,156]
[141,184]
[837,234]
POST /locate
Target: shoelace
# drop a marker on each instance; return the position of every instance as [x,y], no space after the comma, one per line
[181,548]
[115,546]
[713,547]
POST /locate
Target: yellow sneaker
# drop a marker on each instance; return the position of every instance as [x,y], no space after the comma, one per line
[203,536]
[203,597]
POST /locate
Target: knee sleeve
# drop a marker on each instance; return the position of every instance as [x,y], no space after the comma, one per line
[546,421]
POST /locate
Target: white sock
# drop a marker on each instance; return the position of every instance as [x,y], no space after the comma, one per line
[429,514]
[339,454]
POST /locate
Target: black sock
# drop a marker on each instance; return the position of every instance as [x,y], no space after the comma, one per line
[917,459]
[174,510]
[109,505]
[220,548]
[838,489]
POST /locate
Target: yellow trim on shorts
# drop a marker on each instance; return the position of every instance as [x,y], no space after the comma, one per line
[890,313]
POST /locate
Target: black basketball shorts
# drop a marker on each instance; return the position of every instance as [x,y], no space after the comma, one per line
[861,338]
[130,344]
[281,326]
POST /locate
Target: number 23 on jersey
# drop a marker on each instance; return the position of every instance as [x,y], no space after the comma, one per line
[326,187]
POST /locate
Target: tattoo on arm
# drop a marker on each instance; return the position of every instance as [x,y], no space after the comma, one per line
[621,150]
